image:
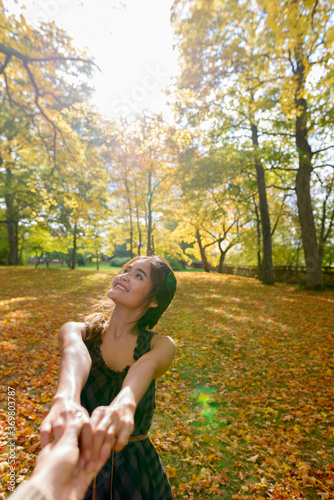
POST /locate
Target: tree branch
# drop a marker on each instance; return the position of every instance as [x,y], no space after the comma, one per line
[37,96]
[26,60]
[322,166]
[294,69]
[281,188]
[323,149]
[275,134]
[3,67]
[286,169]
[278,215]
[9,51]
[329,229]
[313,12]
[54,96]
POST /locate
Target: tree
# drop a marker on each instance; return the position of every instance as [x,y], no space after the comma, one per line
[41,243]
[141,160]
[23,171]
[226,76]
[33,123]
[302,42]
[80,195]
[213,210]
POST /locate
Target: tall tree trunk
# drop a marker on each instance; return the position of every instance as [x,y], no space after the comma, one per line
[149,214]
[97,261]
[267,264]
[221,259]
[20,258]
[139,240]
[12,239]
[152,245]
[131,240]
[303,178]
[258,238]
[130,215]
[138,223]
[202,252]
[74,253]
[223,254]
[12,225]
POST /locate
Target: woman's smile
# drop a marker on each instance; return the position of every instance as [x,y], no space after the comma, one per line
[121,287]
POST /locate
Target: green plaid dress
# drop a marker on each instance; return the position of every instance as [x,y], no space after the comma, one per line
[136,472]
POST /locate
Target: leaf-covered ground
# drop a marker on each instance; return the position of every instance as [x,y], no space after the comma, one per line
[247,409]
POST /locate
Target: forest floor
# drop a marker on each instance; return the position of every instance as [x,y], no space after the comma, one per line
[245,411]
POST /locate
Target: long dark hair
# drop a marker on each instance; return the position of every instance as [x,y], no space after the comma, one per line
[163,290]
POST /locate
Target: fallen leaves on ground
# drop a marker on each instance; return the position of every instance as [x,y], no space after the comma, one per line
[245,411]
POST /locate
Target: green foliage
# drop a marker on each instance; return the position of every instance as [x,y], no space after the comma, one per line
[118,261]
[175,264]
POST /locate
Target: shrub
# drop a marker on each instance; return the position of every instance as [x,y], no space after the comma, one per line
[118,261]
[175,264]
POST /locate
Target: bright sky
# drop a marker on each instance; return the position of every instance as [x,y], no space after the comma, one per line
[130,40]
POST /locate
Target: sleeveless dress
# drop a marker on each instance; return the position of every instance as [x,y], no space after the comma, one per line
[136,472]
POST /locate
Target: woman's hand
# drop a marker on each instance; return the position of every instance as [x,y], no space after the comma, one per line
[62,413]
[112,427]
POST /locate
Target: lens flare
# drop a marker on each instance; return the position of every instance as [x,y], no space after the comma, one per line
[205,397]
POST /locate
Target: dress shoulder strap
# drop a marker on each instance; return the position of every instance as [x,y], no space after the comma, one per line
[143,343]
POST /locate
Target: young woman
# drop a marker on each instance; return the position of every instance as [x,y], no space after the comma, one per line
[108,366]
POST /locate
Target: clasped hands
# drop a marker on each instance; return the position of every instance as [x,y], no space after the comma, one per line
[109,427]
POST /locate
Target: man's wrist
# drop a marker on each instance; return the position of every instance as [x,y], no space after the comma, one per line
[37,487]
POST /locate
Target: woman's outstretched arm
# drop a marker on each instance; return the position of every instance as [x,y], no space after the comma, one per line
[74,369]
[113,425]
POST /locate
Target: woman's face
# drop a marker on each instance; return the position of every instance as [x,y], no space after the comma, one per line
[132,287]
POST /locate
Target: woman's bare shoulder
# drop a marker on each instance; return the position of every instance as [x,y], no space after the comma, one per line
[163,340]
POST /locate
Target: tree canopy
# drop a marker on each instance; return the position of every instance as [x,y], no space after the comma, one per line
[243,175]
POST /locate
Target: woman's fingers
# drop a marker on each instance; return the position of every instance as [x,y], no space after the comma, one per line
[86,440]
[124,435]
[46,429]
[107,446]
[58,429]
[55,426]
[104,423]
[112,428]
[103,433]
[105,452]
[98,434]
[63,414]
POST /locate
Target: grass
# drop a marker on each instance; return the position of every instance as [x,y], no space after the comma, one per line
[104,266]
[246,409]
